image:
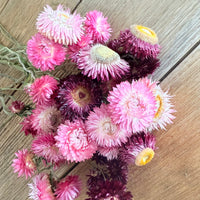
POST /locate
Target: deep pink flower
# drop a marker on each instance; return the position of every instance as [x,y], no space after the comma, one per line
[16,107]
[24,164]
[139,149]
[102,130]
[41,188]
[73,142]
[42,89]
[101,62]
[68,189]
[132,106]
[74,49]
[44,146]
[45,54]
[97,26]
[46,119]
[60,25]
[27,126]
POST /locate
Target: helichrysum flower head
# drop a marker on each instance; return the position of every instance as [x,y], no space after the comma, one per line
[102,130]
[46,119]
[24,163]
[97,26]
[45,54]
[40,189]
[60,25]
[77,95]
[42,89]
[139,149]
[99,61]
[164,108]
[68,189]
[139,41]
[132,106]
[73,142]
[16,107]
[44,146]
[109,152]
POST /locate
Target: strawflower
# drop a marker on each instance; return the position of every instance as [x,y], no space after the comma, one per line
[16,107]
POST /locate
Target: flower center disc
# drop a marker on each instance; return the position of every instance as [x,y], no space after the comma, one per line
[103,54]
[81,96]
[146,31]
[144,157]
[159,106]
[108,128]
[29,162]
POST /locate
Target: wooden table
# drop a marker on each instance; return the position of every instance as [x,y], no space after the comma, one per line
[174,174]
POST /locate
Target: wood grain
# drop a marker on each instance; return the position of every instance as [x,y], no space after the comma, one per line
[174,172]
[175,22]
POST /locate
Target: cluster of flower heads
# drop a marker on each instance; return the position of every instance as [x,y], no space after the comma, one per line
[107,112]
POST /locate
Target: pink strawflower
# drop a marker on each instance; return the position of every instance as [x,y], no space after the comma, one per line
[16,107]
[46,119]
[73,142]
[97,26]
[27,126]
[139,149]
[129,43]
[109,152]
[101,62]
[44,146]
[24,164]
[68,189]
[60,25]
[102,130]
[132,106]
[164,108]
[74,49]
[41,188]
[42,89]
[45,54]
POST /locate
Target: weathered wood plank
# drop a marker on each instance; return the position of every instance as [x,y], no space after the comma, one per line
[174,172]
[175,22]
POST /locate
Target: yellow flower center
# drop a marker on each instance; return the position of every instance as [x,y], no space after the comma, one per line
[160,106]
[144,157]
[103,54]
[81,96]
[144,33]
[63,15]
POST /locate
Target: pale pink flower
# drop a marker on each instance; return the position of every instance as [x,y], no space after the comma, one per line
[68,189]
[42,89]
[16,107]
[109,152]
[24,164]
[132,106]
[102,130]
[101,62]
[60,25]
[97,26]
[45,54]
[41,188]
[44,146]
[46,119]
[73,142]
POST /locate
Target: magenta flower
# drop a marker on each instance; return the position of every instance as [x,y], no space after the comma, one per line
[42,89]
[101,62]
[60,25]
[24,164]
[132,106]
[16,107]
[41,188]
[139,149]
[102,130]
[45,54]
[97,26]
[68,189]
[75,145]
